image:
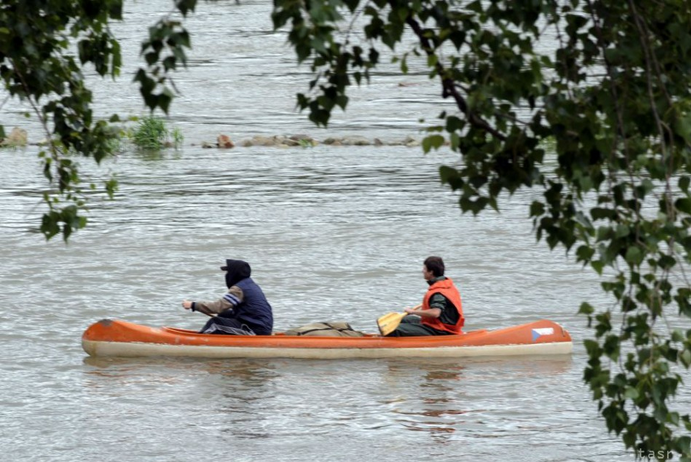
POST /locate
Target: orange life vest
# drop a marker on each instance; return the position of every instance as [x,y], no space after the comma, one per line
[448,290]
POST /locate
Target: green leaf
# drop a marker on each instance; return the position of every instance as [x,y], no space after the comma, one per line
[683,127]
[622,230]
[631,393]
[684,183]
[684,445]
[50,224]
[432,142]
[598,266]
[683,205]
[537,209]
[404,65]
[185,6]
[685,358]
[584,253]
[586,308]
[634,256]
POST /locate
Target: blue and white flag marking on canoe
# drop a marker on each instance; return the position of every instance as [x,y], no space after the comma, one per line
[537,333]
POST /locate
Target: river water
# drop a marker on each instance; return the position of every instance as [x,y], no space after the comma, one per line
[332,233]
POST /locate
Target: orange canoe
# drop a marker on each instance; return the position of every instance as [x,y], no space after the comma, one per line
[110,337]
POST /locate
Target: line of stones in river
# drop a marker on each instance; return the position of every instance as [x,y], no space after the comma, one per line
[283,141]
[18,137]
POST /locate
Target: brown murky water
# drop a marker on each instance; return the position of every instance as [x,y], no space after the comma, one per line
[331,233]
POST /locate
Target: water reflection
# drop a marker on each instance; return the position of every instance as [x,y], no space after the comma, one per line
[441,405]
[246,372]
[452,399]
[440,413]
[223,381]
[149,155]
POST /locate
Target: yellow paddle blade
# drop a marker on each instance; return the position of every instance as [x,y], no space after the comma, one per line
[389,322]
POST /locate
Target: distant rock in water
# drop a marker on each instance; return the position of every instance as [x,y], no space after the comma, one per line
[355,141]
[224,142]
[17,137]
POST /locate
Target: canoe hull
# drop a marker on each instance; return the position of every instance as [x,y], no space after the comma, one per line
[135,349]
[116,338]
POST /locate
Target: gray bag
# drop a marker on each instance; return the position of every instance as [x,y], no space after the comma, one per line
[325,329]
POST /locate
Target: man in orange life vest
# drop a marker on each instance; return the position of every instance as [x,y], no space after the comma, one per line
[441,312]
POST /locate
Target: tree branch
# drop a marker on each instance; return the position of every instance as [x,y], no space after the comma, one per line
[449,88]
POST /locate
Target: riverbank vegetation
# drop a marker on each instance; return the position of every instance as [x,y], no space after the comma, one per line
[153,134]
[150,133]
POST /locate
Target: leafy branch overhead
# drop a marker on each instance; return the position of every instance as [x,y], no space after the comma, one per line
[45,46]
[586,101]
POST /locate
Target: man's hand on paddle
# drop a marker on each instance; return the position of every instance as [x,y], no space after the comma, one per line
[431,313]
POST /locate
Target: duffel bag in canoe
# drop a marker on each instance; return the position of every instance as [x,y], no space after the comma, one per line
[325,329]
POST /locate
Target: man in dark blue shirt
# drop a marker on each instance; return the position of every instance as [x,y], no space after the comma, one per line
[243,310]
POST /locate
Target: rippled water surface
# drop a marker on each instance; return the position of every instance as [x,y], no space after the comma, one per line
[332,233]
